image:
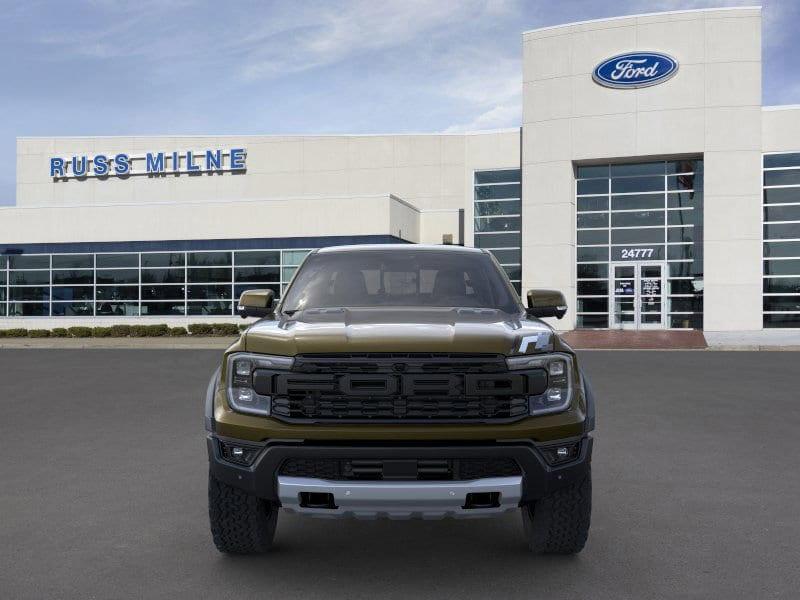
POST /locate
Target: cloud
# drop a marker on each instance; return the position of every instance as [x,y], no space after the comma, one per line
[331,34]
[501,116]
[488,86]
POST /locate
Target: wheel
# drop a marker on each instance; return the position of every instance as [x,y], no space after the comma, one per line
[240,523]
[559,523]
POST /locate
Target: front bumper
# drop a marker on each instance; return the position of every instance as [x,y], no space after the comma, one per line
[400,499]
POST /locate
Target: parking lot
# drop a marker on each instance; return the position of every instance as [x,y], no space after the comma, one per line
[103,490]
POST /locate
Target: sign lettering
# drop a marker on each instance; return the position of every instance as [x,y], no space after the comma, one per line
[635,70]
[149,163]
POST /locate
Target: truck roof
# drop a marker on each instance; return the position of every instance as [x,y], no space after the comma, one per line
[431,247]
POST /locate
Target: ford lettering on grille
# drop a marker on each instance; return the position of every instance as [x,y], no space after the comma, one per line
[370,388]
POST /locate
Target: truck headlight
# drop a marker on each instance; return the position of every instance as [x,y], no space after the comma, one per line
[557,396]
[240,369]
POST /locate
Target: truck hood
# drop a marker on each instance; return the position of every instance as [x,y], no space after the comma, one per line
[343,330]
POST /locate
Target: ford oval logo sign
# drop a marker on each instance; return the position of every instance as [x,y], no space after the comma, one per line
[635,70]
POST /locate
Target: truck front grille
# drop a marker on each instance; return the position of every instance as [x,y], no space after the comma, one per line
[418,408]
[400,388]
[444,469]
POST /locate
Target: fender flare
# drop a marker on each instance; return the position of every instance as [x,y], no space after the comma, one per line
[209,401]
[590,404]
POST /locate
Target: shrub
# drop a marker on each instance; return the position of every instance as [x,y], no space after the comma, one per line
[80,332]
[2,333]
[16,332]
[224,329]
[38,333]
[201,329]
[157,330]
[244,327]
[120,330]
[138,331]
[101,332]
[59,332]
[177,331]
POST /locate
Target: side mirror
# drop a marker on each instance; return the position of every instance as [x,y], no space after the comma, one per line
[546,303]
[256,303]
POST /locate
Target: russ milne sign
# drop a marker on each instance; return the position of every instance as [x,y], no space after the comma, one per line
[635,70]
[150,163]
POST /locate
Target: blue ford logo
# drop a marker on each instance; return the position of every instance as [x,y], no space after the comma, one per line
[635,70]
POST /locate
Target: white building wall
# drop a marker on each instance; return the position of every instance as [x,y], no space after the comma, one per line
[210,220]
[711,107]
[781,128]
[427,170]
[285,174]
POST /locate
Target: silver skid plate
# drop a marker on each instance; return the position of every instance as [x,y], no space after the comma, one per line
[400,499]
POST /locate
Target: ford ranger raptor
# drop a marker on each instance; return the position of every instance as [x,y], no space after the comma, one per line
[400,381]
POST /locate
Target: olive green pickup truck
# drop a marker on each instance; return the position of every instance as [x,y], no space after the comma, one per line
[400,381]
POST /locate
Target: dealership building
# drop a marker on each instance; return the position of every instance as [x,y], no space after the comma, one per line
[646,181]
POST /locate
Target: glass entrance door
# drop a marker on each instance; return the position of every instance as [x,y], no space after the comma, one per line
[637,295]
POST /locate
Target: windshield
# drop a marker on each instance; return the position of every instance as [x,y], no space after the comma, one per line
[399,277]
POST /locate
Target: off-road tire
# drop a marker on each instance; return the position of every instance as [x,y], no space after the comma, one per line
[240,522]
[559,523]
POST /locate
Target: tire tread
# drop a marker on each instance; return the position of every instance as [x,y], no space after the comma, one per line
[240,522]
[559,523]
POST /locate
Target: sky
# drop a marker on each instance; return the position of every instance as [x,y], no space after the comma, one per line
[105,67]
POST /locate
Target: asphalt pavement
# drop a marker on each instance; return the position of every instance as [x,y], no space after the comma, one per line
[103,492]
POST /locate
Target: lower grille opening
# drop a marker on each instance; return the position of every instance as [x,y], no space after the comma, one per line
[317,500]
[378,469]
[482,500]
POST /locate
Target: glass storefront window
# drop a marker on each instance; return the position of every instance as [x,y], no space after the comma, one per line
[73,277]
[644,212]
[163,309]
[29,293]
[499,176]
[498,207]
[117,276]
[782,177]
[72,309]
[209,292]
[288,273]
[209,308]
[294,257]
[32,261]
[174,275]
[497,222]
[109,283]
[163,259]
[28,309]
[117,309]
[210,275]
[592,220]
[29,278]
[243,274]
[163,292]
[496,240]
[72,292]
[73,261]
[117,261]
[117,292]
[209,259]
[272,257]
